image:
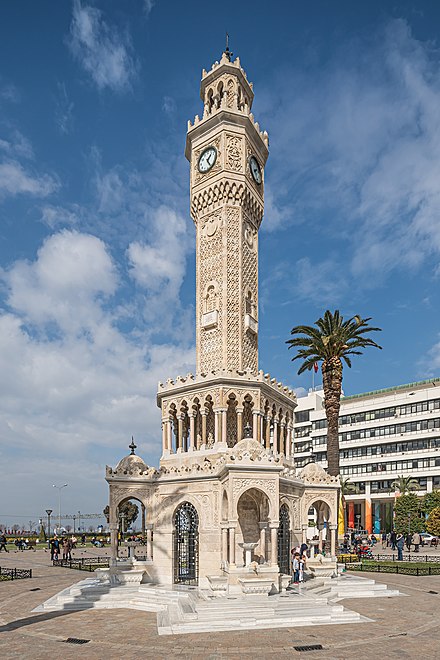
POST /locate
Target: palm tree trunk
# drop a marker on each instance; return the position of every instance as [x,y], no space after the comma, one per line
[332,383]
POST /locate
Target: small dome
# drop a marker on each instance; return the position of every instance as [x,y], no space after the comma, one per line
[248,444]
[130,463]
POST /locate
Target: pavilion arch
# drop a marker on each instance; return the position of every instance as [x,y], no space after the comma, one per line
[116,499]
[253,507]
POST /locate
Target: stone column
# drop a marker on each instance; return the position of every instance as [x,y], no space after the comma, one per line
[170,435]
[191,431]
[289,441]
[143,518]
[268,432]
[224,427]
[304,533]
[239,424]
[217,421]
[256,425]
[282,438]
[224,528]
[263,550]
[320,527]
[333,531]
[276,449]
[274,544]
[149,541]
[164,437]
[203,414]
[232,544]
[114,540]
[179,443]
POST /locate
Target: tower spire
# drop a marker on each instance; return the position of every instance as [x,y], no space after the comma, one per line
[227,52]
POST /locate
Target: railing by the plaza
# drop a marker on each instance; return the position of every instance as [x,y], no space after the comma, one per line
[87,563]
[398,567]
[15,573]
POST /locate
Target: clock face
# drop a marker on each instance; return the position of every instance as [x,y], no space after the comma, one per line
[207,159]
[255,170]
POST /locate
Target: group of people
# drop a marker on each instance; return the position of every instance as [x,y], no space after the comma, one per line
[393,540]
[63,546]
[298,563]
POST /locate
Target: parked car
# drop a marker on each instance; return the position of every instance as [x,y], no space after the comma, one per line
[428,539]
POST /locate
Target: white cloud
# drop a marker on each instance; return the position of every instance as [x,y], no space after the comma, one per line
[15,180]
[148,6]
[63,110]
[367,174]
[75,382]
[103,52]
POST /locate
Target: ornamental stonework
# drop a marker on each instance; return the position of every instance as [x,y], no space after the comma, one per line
[233,308]
[234,153]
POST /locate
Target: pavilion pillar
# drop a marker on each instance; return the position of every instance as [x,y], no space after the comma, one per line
[304,533]
[283,438]
[114,528]
[203,414]
[263,551]
[288,441]
[274,544]
[267,432]
[150,541]
[333,531]
[232,544]
[276,449]
[217,421]
[256,425]
[224,528]
[143,519]
[170,434]
[224,426]
[179,443]
[191,432]
[239,424]
[164,437]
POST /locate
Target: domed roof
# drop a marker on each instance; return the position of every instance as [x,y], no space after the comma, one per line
[132,462]
[313,473]
[248,444]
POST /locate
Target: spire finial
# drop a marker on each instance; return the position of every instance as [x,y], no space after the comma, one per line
[227,52]
[132,446]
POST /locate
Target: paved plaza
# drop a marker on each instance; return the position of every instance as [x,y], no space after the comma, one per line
[405,626]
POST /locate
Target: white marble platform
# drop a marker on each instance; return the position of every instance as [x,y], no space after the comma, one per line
[190,610]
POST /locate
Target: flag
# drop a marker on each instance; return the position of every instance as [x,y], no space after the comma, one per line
[315,366]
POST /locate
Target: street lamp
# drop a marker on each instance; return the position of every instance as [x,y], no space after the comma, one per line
[59,503]
[358,517]
[74,518]
[48,511]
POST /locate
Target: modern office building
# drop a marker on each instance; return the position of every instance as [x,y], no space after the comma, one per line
[382,435]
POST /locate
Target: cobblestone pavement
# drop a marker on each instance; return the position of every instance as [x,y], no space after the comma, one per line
[403,627]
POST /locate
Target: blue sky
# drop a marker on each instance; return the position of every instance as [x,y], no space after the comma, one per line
[96,241]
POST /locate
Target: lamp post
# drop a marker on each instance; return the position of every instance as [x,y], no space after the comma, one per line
[48,511]
[59,503]
[74,518]
[358,518]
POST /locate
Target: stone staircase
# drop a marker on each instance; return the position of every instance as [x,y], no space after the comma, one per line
[347,586]
[189,610]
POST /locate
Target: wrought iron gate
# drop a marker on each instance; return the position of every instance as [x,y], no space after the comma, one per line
[284,540]
[186,545]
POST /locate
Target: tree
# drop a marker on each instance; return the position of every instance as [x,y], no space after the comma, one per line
[405,484]
[129,509]
[407,514]
[433,522]
[431,501]
[332,341]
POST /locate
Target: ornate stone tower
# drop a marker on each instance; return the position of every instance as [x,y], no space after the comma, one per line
[227,153]
[211,410]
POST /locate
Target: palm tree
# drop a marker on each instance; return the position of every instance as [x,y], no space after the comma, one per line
[405,484]
[332,341]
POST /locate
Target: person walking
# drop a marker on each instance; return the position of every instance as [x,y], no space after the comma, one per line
[3,542]
[393,539]
[302,566]
[384,540]
[408,542]
[416,541]
[400,543]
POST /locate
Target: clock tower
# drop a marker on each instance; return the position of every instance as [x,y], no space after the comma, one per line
[227,154]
